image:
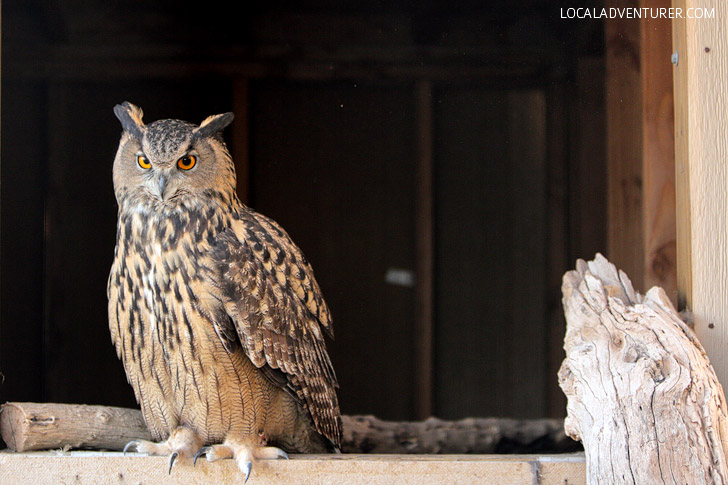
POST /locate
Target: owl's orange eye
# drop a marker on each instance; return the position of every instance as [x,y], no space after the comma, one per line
[144,162]
[187,162]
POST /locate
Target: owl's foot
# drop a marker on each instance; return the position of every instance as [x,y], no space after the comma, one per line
[179,446]
[244,453]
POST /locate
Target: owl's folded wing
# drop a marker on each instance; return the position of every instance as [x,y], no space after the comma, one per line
[276,308]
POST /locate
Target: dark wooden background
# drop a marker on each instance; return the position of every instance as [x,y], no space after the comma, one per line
[343,114]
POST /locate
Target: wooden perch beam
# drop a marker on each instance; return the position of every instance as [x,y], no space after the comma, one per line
[34,426]
[642,395]
[40,426]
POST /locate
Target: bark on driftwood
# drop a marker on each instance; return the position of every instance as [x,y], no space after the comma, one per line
[367,434]
[34,426]
[642,395]
[39,426]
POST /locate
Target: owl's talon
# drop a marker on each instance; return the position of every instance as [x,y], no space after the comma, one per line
[171,462]
[202,451]
[248,467]
[134,444]
[269,453]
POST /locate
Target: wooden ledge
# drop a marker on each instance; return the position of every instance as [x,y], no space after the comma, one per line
[80,467]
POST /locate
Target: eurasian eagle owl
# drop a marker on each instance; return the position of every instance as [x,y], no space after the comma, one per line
[213,310]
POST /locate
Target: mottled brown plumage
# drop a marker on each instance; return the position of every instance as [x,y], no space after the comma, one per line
[213,310]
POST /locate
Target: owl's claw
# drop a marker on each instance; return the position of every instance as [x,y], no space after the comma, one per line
[248,466]
[172,457]
[132,444]
[202,451]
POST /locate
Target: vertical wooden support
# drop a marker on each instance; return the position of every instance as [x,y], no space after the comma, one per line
[240,139]
[527,124]
[624,144]
[557,201]
[658,152]
[424,254]
[682,174]
[640,147]
[1,334]
[701,77]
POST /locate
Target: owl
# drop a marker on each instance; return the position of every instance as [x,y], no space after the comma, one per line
[213,310]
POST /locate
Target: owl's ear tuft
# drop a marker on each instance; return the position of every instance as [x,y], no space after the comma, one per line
[212,125]
[130,116]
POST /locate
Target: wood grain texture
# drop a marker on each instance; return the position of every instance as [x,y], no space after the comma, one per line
[658,152]
[527,151]
[682,172]
[642,395]
[240,137]
[624,143]
[707,142]
[91,468]
[44,426]
[424,319]
[40,426]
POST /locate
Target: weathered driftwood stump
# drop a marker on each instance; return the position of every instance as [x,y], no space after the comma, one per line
[642,395]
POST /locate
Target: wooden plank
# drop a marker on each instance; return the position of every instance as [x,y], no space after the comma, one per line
[706,119]
[474,343]
[527,152]
[424,254]
[240,137]
[557,248]
[658,152]
[410,62]
[96,467]
[682,172]
[349,204]
[80,225]
[21,265]
[624,143]
[587,210]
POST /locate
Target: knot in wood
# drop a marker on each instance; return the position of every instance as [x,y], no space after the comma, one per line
[633,353]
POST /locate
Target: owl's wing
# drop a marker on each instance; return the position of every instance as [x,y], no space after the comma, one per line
[276,308]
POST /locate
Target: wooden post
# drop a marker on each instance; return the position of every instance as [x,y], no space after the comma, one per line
[658,152]
[240,141]
[624,143]
[682,180]
[640,147]
[424,255]
[701,80]
[527,121]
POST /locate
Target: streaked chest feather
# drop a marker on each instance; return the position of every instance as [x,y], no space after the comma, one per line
[162,275]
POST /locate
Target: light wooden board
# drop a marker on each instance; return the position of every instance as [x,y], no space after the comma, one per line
[682,174]
[97,467]
[704,101]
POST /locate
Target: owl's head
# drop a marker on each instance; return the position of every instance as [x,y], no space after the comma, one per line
[172,164]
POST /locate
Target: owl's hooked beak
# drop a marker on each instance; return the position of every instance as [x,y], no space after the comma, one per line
[162,181]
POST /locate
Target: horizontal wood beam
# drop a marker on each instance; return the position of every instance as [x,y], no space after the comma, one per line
[450,64]
[113,467]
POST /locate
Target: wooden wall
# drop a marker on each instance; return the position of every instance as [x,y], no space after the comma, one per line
[701,131]
[641,148]
[371,136]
